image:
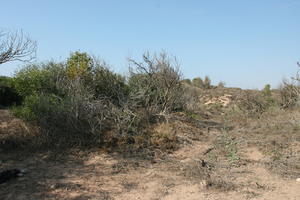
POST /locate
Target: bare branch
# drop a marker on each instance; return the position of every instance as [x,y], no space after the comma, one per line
[15,46]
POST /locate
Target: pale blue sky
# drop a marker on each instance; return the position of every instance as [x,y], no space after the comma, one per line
[246,43]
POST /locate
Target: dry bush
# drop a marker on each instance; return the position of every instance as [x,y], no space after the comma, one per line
[155,85]
[221,84]
[16,46]
[207,83]
[191,96]
[289,94]
[201,171]
[253,104]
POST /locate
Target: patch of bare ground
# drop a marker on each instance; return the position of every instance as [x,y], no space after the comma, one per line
[212,162]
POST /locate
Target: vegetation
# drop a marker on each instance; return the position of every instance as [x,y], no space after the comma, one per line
[144,116]
[203,84]
[198,82]
[78,101]
[8,94]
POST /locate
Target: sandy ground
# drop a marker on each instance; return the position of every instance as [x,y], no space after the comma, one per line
[96,174]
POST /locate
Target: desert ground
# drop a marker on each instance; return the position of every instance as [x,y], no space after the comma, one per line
[216,158]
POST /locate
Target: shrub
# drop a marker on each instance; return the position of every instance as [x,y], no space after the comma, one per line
[267,94]
[39,78]
[267,91]
[26,111]
[82,101]
[290,92]
[289,95]
[203,84]
[8,94]
[186,81]
[77,118]
[221,84]
[97,77]
[72,102]
[79,65]
[207,83]
[253,104]
[191,98]
[106,83]
[155,84]
[198,82]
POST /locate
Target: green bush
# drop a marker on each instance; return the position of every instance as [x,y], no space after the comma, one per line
[203,84]
[79,65]
[26,110]
[108,84]
[39,78]
[198,82]
[267,91]
[267,94]
[97,77]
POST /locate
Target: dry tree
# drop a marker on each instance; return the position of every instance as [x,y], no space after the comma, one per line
[16,46]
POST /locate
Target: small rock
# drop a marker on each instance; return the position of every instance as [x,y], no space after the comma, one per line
[53,186]
[298,180]
[203,183]
[187,160]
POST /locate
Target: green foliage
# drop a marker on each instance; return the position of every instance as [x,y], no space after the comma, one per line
[36,107]
[267,91]
[39,78]
[79,65]
[135,80]
[26,111]
[267,94]
[229,144]
[187,81]
[198,82]
[97,77]
[106,83]
[204,84]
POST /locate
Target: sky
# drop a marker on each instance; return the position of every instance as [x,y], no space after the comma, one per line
[245,43]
